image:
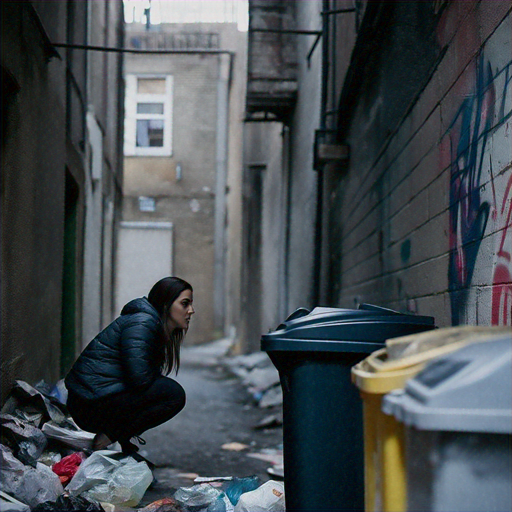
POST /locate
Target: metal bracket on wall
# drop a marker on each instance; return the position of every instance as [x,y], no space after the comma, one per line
[286,31]
[319,33]
[261,117]
[49,49]
[327,149]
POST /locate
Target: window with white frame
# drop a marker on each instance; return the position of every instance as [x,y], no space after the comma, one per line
[148,115]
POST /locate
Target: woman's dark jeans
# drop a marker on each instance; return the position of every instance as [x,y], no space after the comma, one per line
[128,414]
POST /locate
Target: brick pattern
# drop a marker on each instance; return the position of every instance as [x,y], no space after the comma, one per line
[413,206]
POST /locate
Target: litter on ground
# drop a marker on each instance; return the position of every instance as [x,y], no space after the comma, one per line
[46,464]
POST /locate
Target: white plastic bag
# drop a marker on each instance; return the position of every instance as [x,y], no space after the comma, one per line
[78,439]
[40,484]
[10,504]
[94,470]
[269,497]
[27,484]
[200,496]
[111,477]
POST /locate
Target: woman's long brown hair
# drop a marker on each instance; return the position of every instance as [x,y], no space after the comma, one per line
[161,297]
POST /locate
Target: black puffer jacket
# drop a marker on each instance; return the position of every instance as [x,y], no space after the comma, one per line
[125,355]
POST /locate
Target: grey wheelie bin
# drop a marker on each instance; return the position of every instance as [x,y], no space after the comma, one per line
[322,410]
[458,429]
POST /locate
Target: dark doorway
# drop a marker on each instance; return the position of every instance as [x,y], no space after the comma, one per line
[251,295]
[69,277]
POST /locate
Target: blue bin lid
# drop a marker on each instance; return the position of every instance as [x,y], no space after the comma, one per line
[360,330]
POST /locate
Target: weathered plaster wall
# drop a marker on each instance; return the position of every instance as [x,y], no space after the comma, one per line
[234,183]
[263,241]
[279,181]
[306,119]
[104,154]
[46,180]
[189,201]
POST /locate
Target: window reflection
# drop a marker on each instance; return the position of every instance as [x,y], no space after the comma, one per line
[150,108]
[151,86]
[150,133]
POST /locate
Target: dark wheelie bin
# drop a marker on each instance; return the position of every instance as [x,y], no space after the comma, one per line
[322,410]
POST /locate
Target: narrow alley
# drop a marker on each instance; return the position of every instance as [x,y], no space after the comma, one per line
[312,193]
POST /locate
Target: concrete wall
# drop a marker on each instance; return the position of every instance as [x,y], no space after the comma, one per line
[43,186]
[279,219]
[102,182]
[264,236]
[421,221]
[303,179]
[233,257]
[32,201]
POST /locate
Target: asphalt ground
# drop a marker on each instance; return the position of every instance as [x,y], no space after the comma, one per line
[219,411]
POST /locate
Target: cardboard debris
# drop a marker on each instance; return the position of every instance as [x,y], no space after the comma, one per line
[269,455]
[271,397]
[162,505]
[274,420]
[237,447]
[208,479]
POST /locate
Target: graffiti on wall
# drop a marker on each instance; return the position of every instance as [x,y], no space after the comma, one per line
[502,279]
[472,130]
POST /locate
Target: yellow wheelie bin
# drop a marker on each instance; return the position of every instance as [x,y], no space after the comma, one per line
[383,371]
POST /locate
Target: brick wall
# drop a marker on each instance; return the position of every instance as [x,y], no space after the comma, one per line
[422,219]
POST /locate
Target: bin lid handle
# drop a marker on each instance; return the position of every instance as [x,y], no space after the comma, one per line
[298,313]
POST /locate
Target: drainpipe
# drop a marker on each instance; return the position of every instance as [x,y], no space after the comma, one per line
[317,261]
[287,164]
[221,162]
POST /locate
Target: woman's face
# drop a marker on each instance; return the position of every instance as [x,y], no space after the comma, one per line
[181,310]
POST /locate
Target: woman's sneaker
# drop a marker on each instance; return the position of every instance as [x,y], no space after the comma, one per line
[128,447]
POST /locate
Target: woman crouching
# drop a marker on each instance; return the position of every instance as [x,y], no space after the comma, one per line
[117,387]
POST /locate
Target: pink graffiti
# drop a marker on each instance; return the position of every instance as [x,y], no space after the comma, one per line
[502,279]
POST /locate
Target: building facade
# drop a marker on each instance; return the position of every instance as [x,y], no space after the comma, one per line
[182,152]
[60,176]
[390,149]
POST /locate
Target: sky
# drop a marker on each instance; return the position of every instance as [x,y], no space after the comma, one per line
[188,11]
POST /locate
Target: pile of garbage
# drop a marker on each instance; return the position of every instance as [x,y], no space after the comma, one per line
[259,376]
[227,494]
[47,464]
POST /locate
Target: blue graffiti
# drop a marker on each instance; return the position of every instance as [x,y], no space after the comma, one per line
[469,133]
